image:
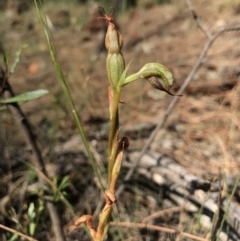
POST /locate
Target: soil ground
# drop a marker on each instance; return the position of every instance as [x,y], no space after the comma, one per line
[202,133]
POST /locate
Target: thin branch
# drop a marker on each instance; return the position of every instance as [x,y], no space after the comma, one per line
[174,101]
[16,232]
[196,18]
[30,139]
[158,228]
[161,213]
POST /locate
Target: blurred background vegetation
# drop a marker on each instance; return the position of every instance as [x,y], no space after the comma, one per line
[23,5]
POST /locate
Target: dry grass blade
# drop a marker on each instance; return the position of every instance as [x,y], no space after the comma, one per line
[18,233]
[161,213]
[157,228]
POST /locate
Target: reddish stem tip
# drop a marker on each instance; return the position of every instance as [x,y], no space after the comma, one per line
[109,18]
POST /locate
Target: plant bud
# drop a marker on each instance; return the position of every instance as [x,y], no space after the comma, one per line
[115,62]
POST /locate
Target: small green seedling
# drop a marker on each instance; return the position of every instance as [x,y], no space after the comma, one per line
[34,214]
[60,188]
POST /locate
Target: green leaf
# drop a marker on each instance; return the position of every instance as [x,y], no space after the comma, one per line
[64,183]
[41,206]
[25,96]
[17,58]
[31,211]
[32,227]
[65,194]
[56,198]
[55,181]
[6,56]
[14,237]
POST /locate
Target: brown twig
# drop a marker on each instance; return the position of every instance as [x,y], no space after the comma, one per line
[174,101]
[30,139]
[16,232]
[196,18]
[161,213]
[158,228]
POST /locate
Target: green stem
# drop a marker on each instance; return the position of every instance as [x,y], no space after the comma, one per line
[114,127]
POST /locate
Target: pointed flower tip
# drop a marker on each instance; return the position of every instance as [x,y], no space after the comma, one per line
[159,76]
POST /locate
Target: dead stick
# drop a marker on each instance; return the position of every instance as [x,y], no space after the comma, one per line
[174,101]
[196,18]
[161,213]
[30,139]
[16,232]
[158,228]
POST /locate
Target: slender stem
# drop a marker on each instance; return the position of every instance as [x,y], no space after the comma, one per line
[16,232]
[64,86]
[158,228]
[114,96]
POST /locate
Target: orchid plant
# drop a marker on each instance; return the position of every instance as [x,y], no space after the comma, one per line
[160,78]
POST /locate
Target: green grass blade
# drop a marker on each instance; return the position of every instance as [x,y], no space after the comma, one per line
[64,86]
[17,58]
[25,96]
